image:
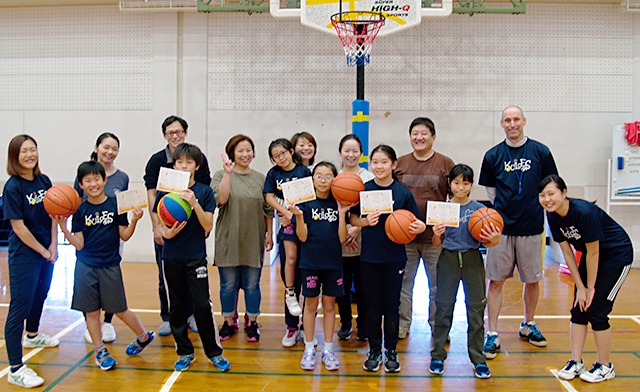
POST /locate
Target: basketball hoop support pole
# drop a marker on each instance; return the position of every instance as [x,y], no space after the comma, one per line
[360,127]
[360,82]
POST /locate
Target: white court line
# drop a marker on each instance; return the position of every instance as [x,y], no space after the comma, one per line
[636,319]
[562,382]
[37,350]
[172,380]
[1,343]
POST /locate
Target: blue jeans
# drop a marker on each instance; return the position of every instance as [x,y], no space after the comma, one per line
[234,278]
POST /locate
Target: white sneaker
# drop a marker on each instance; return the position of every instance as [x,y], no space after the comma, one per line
[303,337]
[108,333]
[598,373]
[292,305]
[41,340]
[571,370]
[191,321]
[25,378]
[87,336]
[289,339]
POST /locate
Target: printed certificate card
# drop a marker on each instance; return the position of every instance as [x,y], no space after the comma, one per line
[448,213]
[130,200]
[298,191]
[173,181]
[372,201]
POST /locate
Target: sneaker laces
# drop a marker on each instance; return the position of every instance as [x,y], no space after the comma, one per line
[596,366]
[534,330]
[570,364]
[491,340]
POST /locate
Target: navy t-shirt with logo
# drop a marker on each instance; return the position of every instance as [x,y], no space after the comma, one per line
[508,169]
[376,246]
[322,250]
[100,227]
[22,199]
[586,222]
[277,175]
[190,242]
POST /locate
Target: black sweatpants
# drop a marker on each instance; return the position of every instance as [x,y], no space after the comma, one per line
[351,274]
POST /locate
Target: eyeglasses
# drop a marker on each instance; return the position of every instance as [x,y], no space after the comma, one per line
[278,156]
[171,134]
[320,177]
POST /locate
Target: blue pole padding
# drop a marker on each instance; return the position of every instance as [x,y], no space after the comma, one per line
[360,127]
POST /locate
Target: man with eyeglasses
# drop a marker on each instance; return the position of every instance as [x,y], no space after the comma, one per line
[174,130]
[424,171]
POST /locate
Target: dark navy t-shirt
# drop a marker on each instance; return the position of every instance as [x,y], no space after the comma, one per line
[22,199]
[586,222]
[322,250]
[276,176]
[503,168]
[376,246]
[100,227]
[190,242]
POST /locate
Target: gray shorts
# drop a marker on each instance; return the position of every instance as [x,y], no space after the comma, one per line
[524,251]
[98,288]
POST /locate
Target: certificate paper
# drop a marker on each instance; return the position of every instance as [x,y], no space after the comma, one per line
[173,181]
[448,213]
[298,191]
[372,201]
[130,200]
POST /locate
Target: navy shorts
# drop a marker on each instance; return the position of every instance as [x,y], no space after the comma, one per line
[608,283]
[288,233]
[98,288]
[329,280]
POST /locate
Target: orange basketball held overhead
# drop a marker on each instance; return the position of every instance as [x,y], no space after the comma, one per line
[482,218]
[61,200]
[397,226]
[346,188]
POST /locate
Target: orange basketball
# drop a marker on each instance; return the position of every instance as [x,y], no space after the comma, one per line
[397,226]
[61,200]
[346,188]
[483,217]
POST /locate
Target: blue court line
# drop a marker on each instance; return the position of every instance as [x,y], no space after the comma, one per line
[71,369]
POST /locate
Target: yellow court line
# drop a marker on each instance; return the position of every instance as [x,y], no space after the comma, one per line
[1,343]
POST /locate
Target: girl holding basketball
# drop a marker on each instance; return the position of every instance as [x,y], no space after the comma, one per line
[105,152]
[460,260]
[350,149]
[321,226]
[288,167]
[33,243]
[383,261]
[607,255]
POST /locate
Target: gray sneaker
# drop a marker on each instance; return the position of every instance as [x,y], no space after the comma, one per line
[164,329]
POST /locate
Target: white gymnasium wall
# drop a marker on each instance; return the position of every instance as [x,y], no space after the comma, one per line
[70,73]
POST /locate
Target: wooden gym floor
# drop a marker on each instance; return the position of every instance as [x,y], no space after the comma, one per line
[267,366]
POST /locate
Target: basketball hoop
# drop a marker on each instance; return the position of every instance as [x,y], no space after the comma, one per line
[357,30]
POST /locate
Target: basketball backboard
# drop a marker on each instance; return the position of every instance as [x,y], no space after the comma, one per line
[399,14]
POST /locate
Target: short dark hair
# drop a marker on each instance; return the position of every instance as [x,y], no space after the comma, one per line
[387,150]
[424,121]
[13,163]
[461,170]
[106,135]
[310,138]
[286,144]
[556,179]
[346,138]
[190,151]
[326,164]
[170,120]
[233,143]
[90,167]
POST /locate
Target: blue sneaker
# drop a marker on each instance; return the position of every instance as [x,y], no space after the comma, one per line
[482,370]
[221,363]
[491,345]
[183,362]
[136,347]
[436,367]
[104,360]
[530,332]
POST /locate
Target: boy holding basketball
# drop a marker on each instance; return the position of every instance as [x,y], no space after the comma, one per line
[459,260]
[96,231]
[184,261]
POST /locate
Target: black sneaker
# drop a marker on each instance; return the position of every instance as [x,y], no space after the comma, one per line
[227,331]
[391,363]
[372,364]
[345,332]
[362,335]
[253,332]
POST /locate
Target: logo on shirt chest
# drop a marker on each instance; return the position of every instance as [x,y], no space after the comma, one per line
[283,180]
[518,164]
[104,218]
[329,214]
[36,197]
[571,232]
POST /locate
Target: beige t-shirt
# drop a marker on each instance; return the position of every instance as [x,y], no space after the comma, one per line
[427,180]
